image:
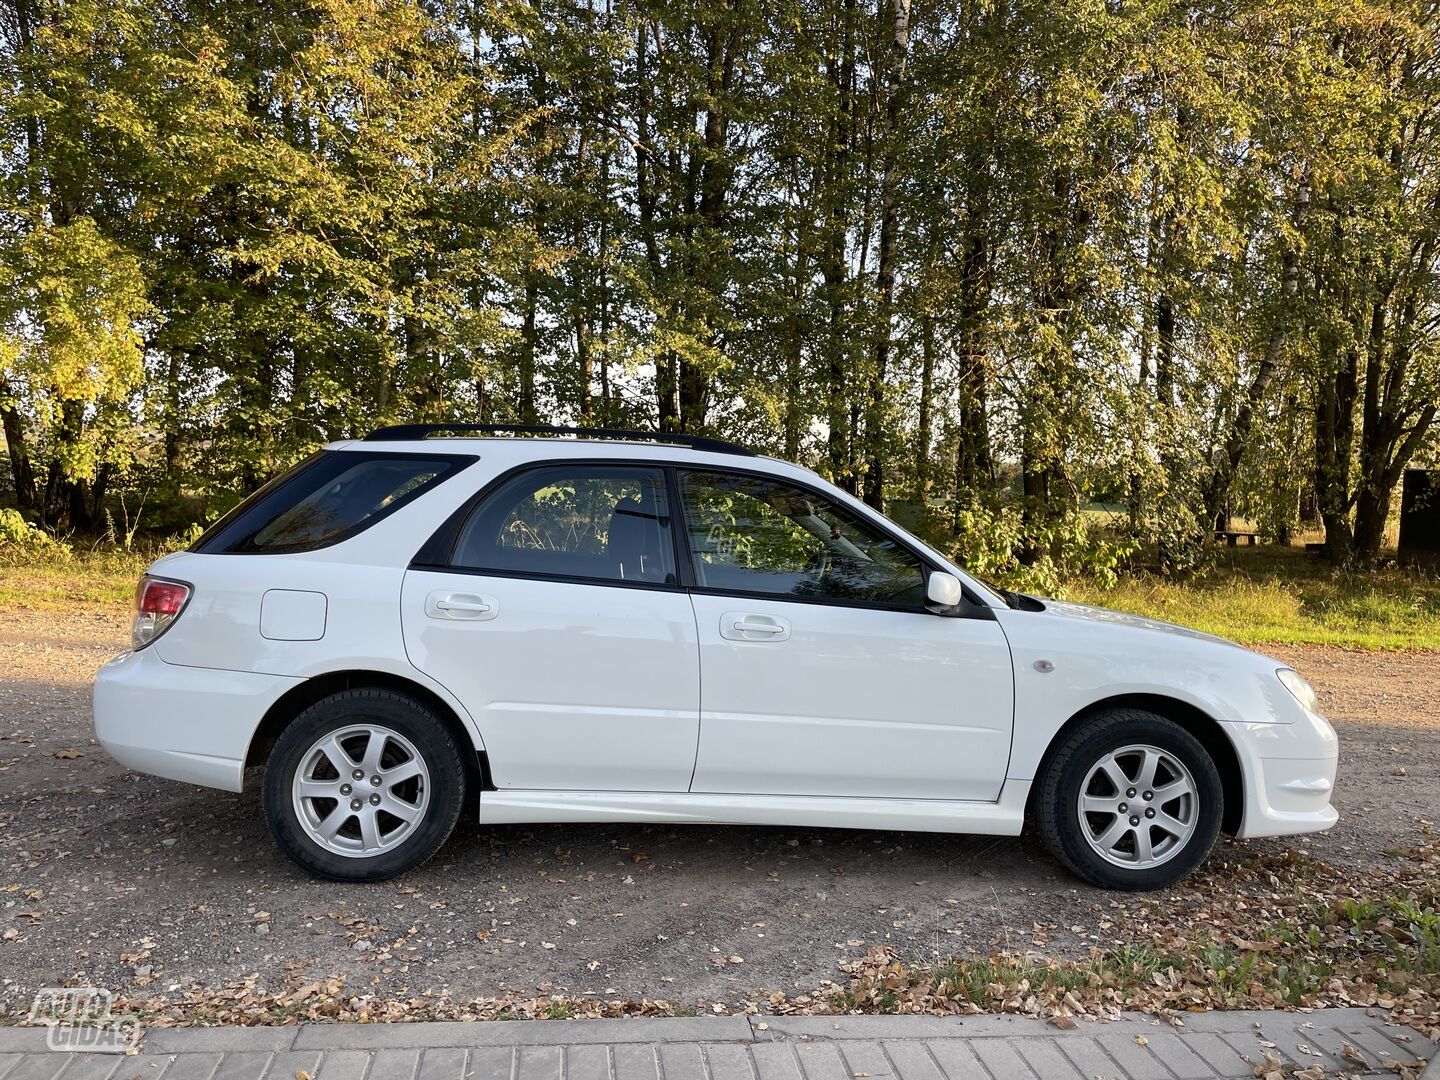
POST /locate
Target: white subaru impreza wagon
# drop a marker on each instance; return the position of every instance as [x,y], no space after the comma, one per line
[653,628]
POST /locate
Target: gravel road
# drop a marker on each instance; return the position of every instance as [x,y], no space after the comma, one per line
[115,879]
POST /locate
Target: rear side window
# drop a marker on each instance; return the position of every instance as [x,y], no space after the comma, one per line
[325,499]
[602,523]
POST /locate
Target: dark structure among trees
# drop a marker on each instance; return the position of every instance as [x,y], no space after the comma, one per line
[1420,518]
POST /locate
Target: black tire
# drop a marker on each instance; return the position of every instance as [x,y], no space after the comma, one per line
[1057,810]
[400,714]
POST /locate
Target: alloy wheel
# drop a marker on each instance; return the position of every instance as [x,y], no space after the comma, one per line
[1138,807]
[361,790]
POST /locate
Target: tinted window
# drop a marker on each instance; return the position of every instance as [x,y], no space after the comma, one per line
[599,522]
[325,499]
[754,535]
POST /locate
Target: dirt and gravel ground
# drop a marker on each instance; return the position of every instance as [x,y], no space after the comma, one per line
[114,879]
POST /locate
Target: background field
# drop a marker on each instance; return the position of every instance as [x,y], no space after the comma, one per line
[1256,596]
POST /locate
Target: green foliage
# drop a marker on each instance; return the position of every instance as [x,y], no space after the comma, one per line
[988,540]
[19,538]
[70,304]
[1001,262]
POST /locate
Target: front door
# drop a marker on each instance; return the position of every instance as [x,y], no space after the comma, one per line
[822,672]
[560,625]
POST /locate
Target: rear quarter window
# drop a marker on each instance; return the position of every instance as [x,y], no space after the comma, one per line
[327,498]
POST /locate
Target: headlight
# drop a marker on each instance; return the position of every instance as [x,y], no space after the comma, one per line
[1303,691]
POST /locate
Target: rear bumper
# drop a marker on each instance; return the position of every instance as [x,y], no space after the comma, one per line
[1289,776]
[183,723]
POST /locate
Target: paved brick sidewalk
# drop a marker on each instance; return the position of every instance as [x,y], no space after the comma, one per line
[737,1048]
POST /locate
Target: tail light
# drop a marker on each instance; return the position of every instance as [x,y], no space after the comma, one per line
[157,604]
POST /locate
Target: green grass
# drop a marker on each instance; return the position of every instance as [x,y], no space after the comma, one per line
[1270,595]
[80,581]
[1296,942]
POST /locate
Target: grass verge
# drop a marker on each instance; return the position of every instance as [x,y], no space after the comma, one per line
[60,580]
[1272,931]
[1272,595]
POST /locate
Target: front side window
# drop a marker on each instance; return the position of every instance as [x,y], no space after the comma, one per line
[328,498]
[593,522]
[750,534]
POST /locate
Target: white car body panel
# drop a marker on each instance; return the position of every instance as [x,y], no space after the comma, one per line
[1098,656]
[574,686]
[221,627]
[186,723]
[811,710]
[905,721]
[1003,817]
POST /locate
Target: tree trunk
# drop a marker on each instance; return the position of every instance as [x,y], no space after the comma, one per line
[926,412]
[1334,436]
[875,420]
[974,468]
[667,406]
[836,172]
[529,336]
[1217,487]
[21,471]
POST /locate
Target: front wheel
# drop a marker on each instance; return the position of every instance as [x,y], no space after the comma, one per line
[363,785]
[1130,800]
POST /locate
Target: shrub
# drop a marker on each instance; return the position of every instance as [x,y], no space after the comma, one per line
[18,536]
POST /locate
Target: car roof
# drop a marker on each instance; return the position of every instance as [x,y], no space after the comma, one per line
[545,447]
[403,432]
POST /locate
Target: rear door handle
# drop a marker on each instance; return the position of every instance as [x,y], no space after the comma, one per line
[746,626]
[461,607]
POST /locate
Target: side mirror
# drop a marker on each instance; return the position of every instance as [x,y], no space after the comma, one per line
[944,590]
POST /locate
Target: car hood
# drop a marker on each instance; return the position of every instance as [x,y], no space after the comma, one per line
[1084,612]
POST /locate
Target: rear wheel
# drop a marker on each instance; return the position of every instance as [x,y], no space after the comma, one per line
[1130,800]
[363,785]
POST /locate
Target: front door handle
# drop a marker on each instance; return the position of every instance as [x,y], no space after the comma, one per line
[462,607]
[746,626]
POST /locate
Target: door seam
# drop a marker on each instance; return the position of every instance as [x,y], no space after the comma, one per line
[700,694]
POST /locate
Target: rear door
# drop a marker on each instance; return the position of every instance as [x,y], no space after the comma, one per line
[822,671]
[559,622]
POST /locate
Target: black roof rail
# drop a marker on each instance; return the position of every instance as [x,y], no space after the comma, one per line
[400,432]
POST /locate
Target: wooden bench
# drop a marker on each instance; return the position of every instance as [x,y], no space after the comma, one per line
[1233,536]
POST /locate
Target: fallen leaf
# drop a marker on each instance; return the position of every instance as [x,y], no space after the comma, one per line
[1350,1054]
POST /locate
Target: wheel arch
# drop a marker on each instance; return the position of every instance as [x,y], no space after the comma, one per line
[1196,721]
[301,696]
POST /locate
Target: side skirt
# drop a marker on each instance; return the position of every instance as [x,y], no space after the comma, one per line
[1004,817]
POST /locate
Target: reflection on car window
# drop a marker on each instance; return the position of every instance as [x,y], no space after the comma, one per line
[581,521]
[750,534]
[351,497]
[330,497]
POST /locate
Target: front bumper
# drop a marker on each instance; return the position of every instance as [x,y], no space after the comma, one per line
[1289,775]
[184,723]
